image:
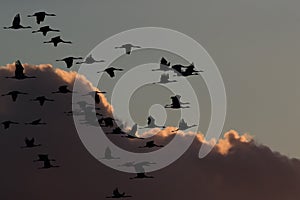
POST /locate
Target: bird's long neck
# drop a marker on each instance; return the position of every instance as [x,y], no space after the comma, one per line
[25,27]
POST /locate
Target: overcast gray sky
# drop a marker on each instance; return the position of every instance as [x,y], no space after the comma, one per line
[254,43]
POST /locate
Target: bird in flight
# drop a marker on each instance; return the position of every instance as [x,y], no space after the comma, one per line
[139,168]
[116,194]
[151,123]
[189,70]
[45,29]
[183,126]
[14,94]
[29,143]
[127,47]
[47,162]
[19,72]
[41,100]
[56,40]
[16,23]
[43,157]
[150,144]
[176,103]
[6,124]
[63,90]
[36,122]
[106,121]
[47,165]
[108,155]
[40,16]
[163,66]
[69,60]
[111,71]
[164,78]
[118,130]
[95,95]
[90,60]
[132,133]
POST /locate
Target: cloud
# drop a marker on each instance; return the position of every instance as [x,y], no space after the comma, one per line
[237,167]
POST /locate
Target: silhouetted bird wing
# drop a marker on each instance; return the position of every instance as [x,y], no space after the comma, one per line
[63,87]
[37,121]
[163,61]
[69,62]
[14,96]
[116,192]
[43,156]
[133,130]
[27,141]
[16,20]
[150,143]
[107,153]
[111,73]
[19,69]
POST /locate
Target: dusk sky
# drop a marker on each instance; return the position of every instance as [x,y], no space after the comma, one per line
[255,45]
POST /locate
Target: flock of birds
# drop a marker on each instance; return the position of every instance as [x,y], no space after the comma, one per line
[88,111]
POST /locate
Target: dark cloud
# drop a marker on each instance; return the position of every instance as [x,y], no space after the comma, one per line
[237,168]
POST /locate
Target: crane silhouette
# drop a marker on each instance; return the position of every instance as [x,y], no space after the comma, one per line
[45,29]
[176,103]
[47,165]
[183,126]
[108,155]
[6,124]
[139,168]
[107,121]
[16,23]
[190,70]
[128,48]
[95,95]
[118,130]
[151,123]
[19,72]
[36,122]
[132,133]
[56,40]
[116,194]
[40,16]
[150,144]
[29,143]
[41,100]
[43,157]
[63,90]
[163,66]
[14,94]
[90,60]
[69,60]
[111,71]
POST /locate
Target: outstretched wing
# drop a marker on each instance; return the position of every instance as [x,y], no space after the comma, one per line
[151,120]
[116,192]
[63,87]
[150,143]
[107,153]
[19,68]
[133,130]
[16,20]
[37,121]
